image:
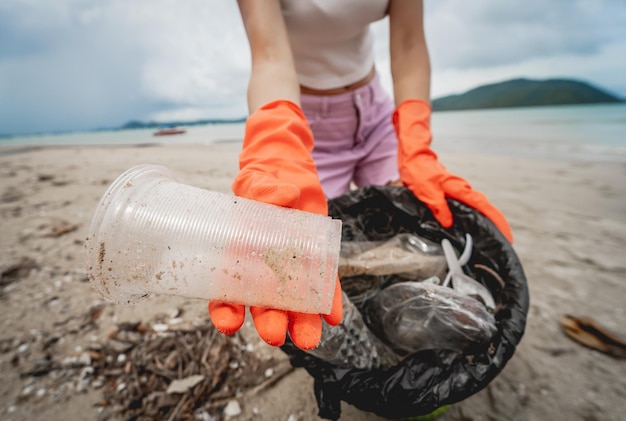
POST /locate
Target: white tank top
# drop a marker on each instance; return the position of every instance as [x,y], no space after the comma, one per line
[331,40]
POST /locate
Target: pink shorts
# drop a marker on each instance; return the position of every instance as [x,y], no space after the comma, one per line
[355,141]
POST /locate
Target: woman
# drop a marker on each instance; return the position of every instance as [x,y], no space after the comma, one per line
[319,121]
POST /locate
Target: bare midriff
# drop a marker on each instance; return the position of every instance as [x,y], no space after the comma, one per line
[341,90]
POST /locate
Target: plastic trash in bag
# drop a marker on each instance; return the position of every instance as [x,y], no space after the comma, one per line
[352,344]
[405,256]
[462,283]
[408,316]
[412,316]
[427,379]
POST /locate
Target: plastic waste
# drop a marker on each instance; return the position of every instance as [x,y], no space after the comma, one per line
[406,254]
[153,235]
[412,316]
[459,280]
[367,266]
[352,343]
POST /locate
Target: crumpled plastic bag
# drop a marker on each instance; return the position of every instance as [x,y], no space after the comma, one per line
[412,316]
[427,379]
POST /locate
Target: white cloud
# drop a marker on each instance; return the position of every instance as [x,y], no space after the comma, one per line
[197,51]
[479,42]
[492,33]
[598,68]
[84,64]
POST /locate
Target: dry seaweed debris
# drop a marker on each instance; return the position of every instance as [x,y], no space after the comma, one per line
[16,270]
[202,369]
[158,371]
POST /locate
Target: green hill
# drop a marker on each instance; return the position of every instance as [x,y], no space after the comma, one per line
[525,93]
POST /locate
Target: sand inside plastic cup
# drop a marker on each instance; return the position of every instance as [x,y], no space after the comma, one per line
[153,235]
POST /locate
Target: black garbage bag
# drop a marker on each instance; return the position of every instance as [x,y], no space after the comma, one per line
[427,379]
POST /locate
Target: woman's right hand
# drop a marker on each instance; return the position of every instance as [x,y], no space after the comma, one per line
[276,167]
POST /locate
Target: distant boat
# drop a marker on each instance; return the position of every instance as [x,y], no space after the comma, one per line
[168,131]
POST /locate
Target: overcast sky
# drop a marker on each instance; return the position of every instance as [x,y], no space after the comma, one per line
[84,64]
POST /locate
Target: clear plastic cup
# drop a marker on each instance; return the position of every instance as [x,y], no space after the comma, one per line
[153,235]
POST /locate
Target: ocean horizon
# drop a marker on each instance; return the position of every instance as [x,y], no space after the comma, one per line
[594,132]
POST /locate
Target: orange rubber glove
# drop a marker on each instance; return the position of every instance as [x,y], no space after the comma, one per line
[426,177]
[276,167]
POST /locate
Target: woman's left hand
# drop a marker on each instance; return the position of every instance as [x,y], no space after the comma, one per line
[426,177]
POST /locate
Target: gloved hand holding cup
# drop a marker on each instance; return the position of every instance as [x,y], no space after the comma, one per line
[276,167]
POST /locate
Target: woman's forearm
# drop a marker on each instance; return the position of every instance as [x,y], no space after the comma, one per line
[273,73]
[270,81]
[410,62]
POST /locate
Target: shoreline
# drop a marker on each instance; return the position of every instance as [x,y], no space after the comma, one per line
[618,156]
[577,133]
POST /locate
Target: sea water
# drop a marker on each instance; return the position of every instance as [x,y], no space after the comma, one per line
[568,132]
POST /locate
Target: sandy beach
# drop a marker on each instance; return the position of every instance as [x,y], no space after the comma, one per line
[568,219]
